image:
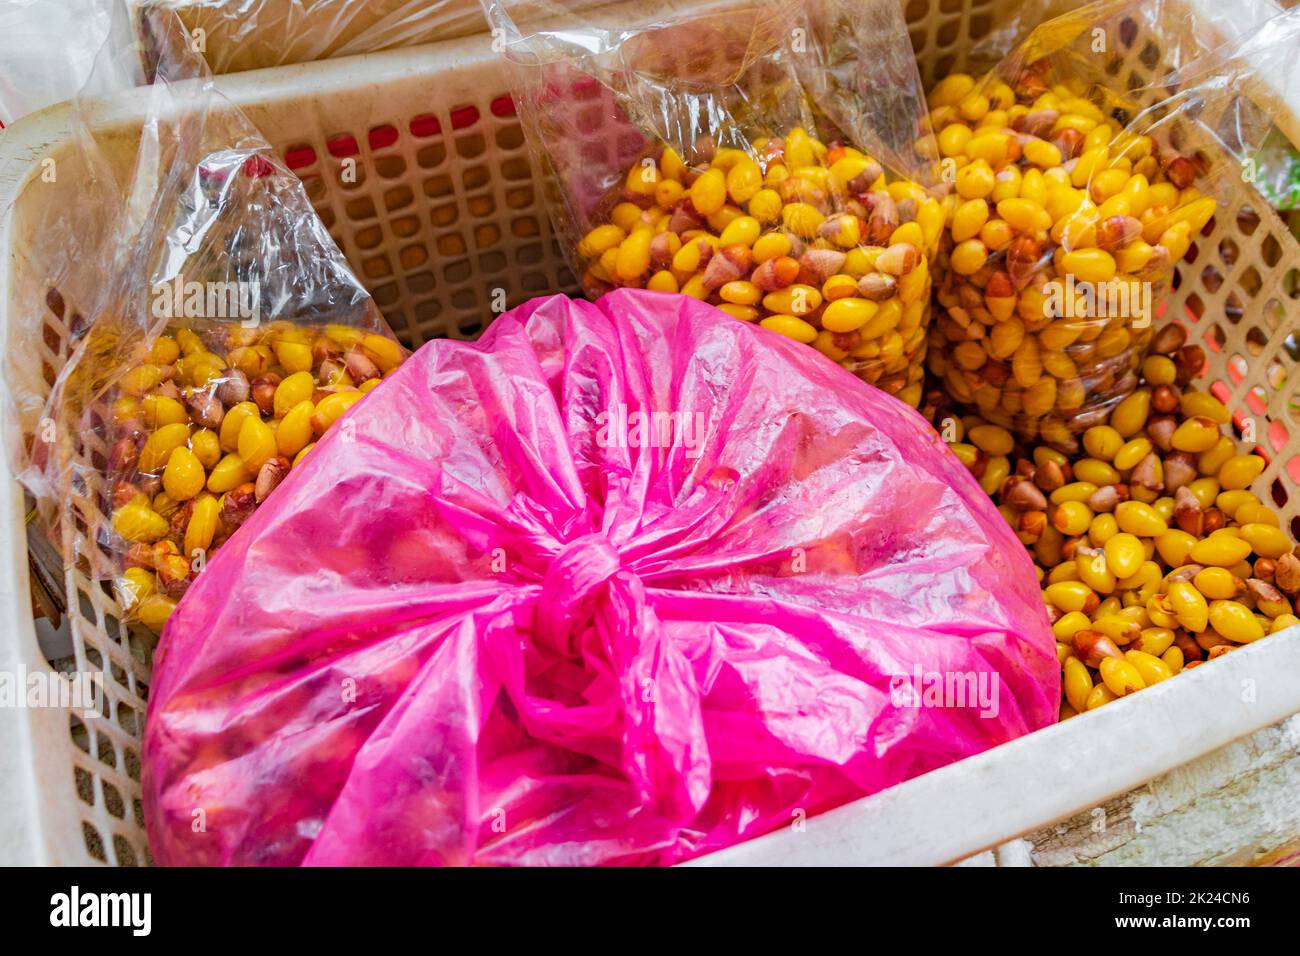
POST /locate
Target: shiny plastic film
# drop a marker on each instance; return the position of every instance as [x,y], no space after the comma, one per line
[622,582]
[235,35]
[1082,170]
[761,157]
[223,334]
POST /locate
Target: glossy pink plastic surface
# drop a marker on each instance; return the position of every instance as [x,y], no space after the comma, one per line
[492,619]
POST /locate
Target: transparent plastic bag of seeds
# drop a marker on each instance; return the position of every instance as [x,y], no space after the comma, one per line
[236,35]
[212,331]
[759,156]
[1079,180]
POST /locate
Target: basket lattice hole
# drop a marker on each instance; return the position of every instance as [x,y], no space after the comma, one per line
[386,295]
[516,168]
[137,812]
[405,226]
[452,244]
[431,157]
[141,648]
[444,215]
[1215,337]
[353,175]
[1275,375]
[132,761]
[399,197]
[1211,279]
[520,198]
[1247,220]
[428,310]
[127,719]
[377,267]
[369,237]
[1256,340]
[1272,314]
[390,167]
[1233,309]
[457,271]
[438,187]
[425,125]
[79,734]
[315,187]
[123,852]
[85,785]
[105,750]
[525,227]
[363,207]
[421,283]
[1251,282]
[1256,399]
[471,147]
[510,137]
[1228,251]
[412,256]
[94,842]
[492,262]
[113,800]
[487,235]
[1277,436]
[1270,250]
[1237,369]
[948,32]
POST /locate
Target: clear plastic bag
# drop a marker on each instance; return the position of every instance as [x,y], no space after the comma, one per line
[223,334]
[47,51]
[759,156]
[1078,184]
[622,582]
[236,35]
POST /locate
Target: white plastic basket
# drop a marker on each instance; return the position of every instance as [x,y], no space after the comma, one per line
[446,210]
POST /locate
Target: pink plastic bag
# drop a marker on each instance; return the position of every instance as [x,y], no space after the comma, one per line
[498,616]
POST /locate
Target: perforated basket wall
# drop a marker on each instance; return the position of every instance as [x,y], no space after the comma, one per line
[417,164]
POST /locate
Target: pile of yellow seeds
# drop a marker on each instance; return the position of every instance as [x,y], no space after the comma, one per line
[203,431]
[806,239]
[1153,553]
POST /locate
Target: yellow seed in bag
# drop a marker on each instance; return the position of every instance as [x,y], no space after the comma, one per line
[138,522]
[331,408]
[296,388]
[790,326]
[295,429]
[206,447]
[159,446]
[159,410]
[183,478]
[154,610]
[1240,471]
[844,315]
[796,300]
[381,350]
[256,443]
[228,473]
[202,527]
